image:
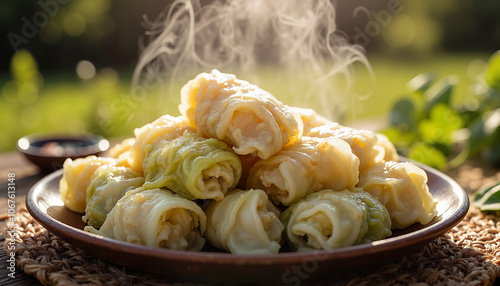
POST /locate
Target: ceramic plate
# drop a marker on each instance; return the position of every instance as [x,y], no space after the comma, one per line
[209,266]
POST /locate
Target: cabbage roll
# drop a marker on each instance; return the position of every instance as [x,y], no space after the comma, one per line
[362,142]
[386,150]
[121,152]
[121,148]
[310,118]
[402,188]
[239,113]
[332,219]
[77,175]
[308,165]
[244,222]
[108,184]
[323,131]
[164,128]
[156,218]
[193,166]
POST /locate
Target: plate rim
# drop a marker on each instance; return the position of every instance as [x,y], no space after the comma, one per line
[417,238]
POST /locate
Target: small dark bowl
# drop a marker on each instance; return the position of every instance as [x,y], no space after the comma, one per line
[50,151]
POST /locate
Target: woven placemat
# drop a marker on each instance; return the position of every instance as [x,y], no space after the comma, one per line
[469,254]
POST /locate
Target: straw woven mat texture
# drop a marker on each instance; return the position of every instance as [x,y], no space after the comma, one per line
[469,254]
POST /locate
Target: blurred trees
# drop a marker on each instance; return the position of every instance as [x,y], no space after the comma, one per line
[418,28]
[108,32]
[471,25]
[60,33]
[69,36]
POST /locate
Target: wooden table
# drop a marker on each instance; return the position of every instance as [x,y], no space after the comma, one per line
[26,175]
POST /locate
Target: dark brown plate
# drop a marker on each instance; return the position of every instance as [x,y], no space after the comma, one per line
[45,205]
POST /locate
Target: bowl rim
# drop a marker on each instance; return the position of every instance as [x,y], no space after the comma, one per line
[98,143]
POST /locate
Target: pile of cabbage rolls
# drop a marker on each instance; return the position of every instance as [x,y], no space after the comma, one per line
[247,174]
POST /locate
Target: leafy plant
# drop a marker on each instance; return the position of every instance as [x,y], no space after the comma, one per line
[426,127]
[487,198]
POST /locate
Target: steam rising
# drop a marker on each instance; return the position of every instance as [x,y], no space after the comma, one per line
[314,61]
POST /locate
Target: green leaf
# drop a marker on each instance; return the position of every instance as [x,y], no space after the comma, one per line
[440,92]
[483,130]
[428,155]
[487,198]
[403,115]
[469,116]
[491,153]
[477,138]
[421,82]
[430,131]
[493,71]
[439,128]
[490,98]
[401,140]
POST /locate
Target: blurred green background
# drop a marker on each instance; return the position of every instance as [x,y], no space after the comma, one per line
[66,65]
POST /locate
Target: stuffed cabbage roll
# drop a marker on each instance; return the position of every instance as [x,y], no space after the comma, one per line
[156,218]
[362,142]
[323,131]
[402,188]
[308,165]
[386,150]
[76,178]
[121,148]
[164,128]
[239,113]
[121,152]
[108,184]
[310,118]
[244,222]
[332,219]
[193,166]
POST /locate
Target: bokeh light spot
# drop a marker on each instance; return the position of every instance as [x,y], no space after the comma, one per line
[108,77]
[104,111]
[91,9]
[85,69]
[400,32]
[22,64]
[74,24]
[10,91]
[103,145]
[28,93]
[23,143]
